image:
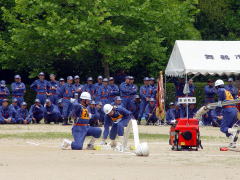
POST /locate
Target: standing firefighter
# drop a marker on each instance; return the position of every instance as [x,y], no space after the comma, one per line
[229,114]
[40,86]
[81,128]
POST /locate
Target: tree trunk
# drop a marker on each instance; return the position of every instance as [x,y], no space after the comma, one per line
[106,68]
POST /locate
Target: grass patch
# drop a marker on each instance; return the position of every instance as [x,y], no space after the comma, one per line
[60,135]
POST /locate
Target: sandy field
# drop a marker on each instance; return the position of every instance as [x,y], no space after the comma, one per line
[42,159]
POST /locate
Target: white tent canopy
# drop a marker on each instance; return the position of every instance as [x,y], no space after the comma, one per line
[204,57]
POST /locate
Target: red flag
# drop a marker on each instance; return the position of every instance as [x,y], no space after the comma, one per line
[160,111]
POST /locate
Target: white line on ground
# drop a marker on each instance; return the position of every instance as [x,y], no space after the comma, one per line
[33,143]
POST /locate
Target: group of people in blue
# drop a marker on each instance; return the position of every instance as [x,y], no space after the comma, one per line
[213,117]
[55,99]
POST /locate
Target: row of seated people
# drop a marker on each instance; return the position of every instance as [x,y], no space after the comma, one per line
[15,114]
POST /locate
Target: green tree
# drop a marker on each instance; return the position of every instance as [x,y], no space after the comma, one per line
[59,35]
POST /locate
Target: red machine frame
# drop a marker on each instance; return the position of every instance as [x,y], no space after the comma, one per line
[185,135]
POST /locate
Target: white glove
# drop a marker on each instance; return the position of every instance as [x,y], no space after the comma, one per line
[219,104]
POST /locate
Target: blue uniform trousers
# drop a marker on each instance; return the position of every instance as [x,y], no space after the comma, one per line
[80,132]
[229,119]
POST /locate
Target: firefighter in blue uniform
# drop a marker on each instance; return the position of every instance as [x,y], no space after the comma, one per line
[14,107]
[51,112]
[114,90]
[117,119]
[170,115]
[191,88]
[229,113]
[230,87]
[36,111]
[136,106]
[90,87]
[183,110]
[66,93]
[40,86]
[60,109]
[94,118]
[179,86]
[23,116]
[103,92]
[192,110]
[81,128]
[145,94]
[177,110]
[117,101]
[126,93]
[4,92]
[210,92]
[18,89]
[6,113]
[100,112]
[134,88]
[78,88]
[150,112]
[153,86]
[53,87]
[99,82]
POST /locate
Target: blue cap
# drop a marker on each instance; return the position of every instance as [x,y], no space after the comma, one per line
[52,75]
[41,74]
[61,79]
[127,77]
[47,101]
[171,103]
[100,103]
[90,79]
[152,100]
[230,79]
[117,98]
[93,102]
[131,77]
[76,77]
[3,82]
[146,79]
[137,96]
[59,101]
[111,79]
[69,78]
[37,101]
[23,104]
[105,80]
[14,100]
[5,100]
[75,94]
[152,79]
[100,77]
[17,77]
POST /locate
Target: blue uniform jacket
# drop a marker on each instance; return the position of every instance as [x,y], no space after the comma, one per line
[36,111]
[7,112]
[18,88]
[113,90]
[146,92]
[53,87]
[51,110]
[67,91]
[170,114]
[40,86]
[23,114]
[120,114]
[4,92]
[90,88]
[125,89]
[210,91]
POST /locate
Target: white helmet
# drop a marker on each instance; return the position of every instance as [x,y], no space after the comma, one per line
[142,149]
[219,82]
[86,96]
[107,108]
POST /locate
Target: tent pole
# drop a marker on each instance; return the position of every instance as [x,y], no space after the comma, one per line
[186,81]
[165,96]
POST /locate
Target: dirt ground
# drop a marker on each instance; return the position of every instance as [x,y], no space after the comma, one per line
[33,159]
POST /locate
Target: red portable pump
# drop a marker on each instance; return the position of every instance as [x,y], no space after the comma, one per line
[185,135]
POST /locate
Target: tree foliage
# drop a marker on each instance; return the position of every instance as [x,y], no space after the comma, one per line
[79,36]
